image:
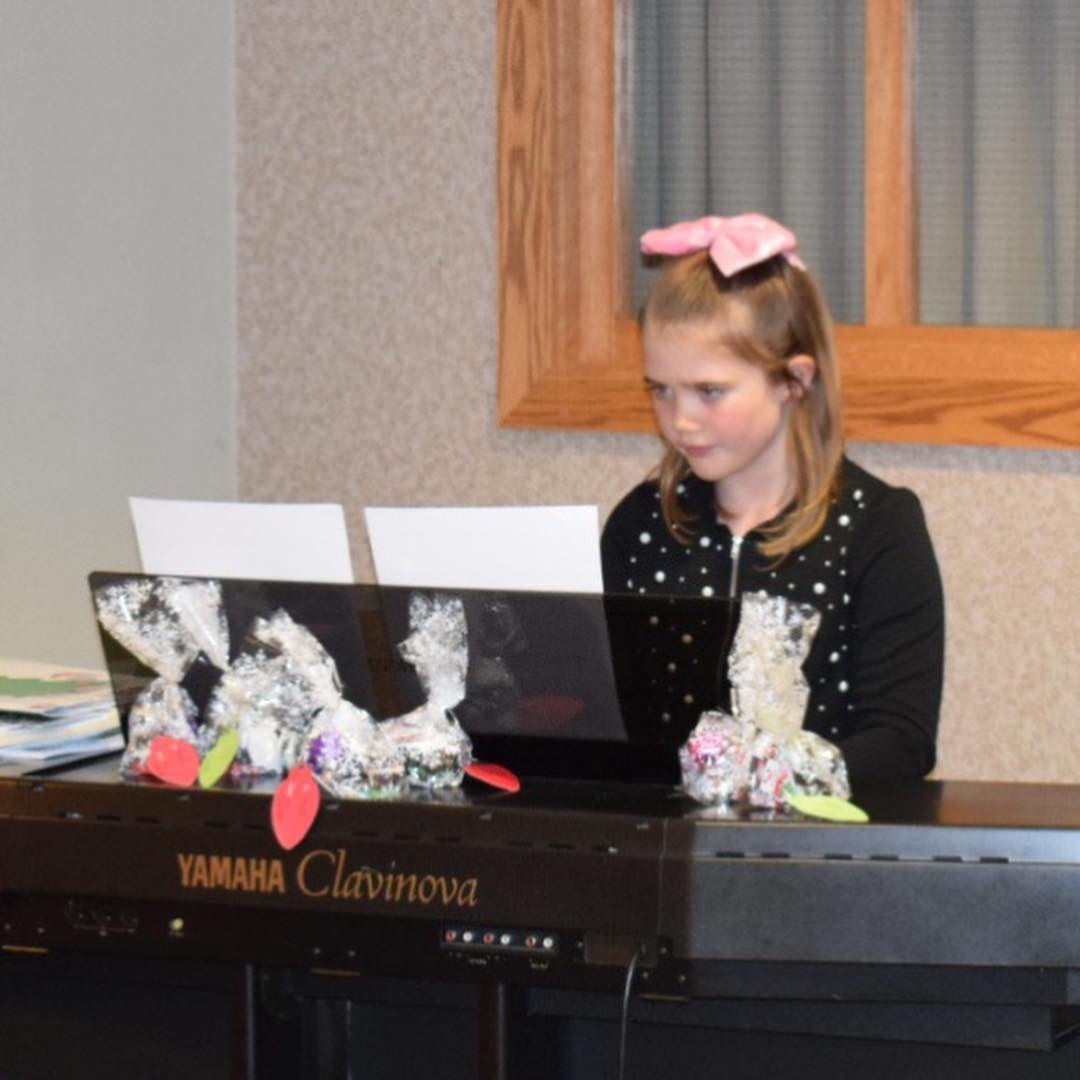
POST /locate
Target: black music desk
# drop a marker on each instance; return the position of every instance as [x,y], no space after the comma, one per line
[152,931]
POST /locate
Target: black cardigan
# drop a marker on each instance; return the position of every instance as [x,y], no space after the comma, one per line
[876,665]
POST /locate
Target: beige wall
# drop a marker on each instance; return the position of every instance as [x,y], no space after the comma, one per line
[367,354]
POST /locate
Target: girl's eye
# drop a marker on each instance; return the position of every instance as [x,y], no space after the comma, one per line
[658,392]
[711,392]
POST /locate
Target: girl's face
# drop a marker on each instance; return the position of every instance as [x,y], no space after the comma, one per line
[723,414]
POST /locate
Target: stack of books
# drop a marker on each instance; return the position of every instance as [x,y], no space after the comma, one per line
[50,713]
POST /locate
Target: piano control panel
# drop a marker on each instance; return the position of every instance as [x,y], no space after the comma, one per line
[498,941]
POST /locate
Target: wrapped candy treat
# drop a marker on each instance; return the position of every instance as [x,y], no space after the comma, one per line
[271,694]
[731,761]
[165,623]
[758,755]
[162,708]
[351,756]
[435,748]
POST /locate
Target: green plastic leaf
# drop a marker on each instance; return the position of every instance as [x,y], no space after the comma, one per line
[216,763]
[827,807]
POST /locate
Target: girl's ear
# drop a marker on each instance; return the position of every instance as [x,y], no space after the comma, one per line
[801,370]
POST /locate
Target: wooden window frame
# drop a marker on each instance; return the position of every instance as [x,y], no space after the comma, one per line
[569,359]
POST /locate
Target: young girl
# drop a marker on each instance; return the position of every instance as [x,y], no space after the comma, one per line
[754,492]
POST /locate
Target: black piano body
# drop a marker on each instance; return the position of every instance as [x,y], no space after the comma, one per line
[943,936]
[164,932]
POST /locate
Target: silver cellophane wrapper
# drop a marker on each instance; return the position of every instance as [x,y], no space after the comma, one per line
[753,757]
[768,687]
[731,761]
[434,746]
[165,622]
[305,653]
[197,605]
[162,708]
[437,647]
[271,694]
[351,756]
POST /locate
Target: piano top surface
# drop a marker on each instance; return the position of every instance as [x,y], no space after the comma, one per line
[953,803]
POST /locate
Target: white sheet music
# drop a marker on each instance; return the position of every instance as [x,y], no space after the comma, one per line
[260,541]
[532,548]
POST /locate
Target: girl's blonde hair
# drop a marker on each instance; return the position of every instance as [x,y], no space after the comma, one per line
[766,315]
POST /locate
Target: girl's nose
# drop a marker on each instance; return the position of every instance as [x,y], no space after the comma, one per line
[683,416]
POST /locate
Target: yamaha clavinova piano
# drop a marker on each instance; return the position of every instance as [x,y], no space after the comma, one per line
[596,922]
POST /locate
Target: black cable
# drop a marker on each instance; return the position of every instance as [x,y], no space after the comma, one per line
[631,967]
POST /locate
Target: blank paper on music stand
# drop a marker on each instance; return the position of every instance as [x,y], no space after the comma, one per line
[533,548]
[260,541]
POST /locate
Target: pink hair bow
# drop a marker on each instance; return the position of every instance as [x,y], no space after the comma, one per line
[733,243]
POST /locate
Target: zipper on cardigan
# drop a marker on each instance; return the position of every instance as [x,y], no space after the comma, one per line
[733,583]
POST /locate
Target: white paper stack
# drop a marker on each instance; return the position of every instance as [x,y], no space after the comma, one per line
[261,541]
[532,548]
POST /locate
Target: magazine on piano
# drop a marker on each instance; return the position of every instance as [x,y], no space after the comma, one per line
[50,712]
